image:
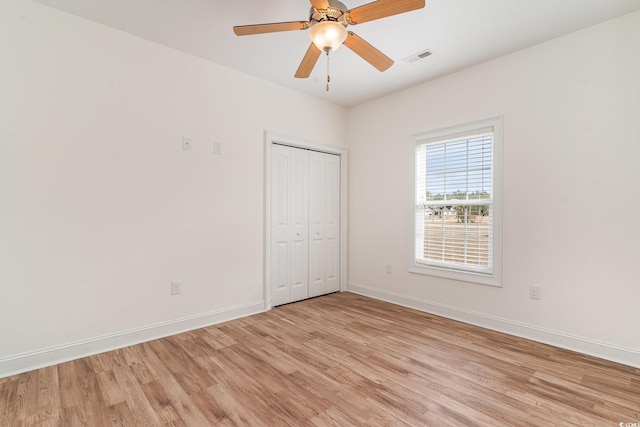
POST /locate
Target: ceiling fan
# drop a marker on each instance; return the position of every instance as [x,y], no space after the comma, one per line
[327,25]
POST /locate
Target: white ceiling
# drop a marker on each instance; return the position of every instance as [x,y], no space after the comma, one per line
[460,33]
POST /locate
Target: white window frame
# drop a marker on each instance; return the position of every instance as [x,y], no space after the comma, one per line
[449,270]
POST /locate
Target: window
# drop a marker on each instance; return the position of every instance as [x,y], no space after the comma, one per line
[457,211]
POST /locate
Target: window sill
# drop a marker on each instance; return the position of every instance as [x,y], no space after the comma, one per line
[464,276]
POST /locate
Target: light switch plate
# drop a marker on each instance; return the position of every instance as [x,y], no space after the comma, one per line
[186,143]
[217,147]
[176,288]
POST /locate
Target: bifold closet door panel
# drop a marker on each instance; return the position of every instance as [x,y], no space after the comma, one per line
[316,223]
[324,223]
[332,224]
[299,213]
[289,225]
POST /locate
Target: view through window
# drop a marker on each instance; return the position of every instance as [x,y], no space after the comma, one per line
[455,196]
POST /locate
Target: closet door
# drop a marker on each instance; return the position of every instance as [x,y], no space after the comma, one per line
[316,223]
[289,225]
[332,223]
[324,223]
[299,211]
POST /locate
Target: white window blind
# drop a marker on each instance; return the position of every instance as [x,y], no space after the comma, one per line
[454,201]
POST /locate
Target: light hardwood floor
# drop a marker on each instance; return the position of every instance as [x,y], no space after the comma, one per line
[340,359]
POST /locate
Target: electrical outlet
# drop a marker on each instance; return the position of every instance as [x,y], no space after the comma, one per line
[389,268]
[176,288]
[534,292]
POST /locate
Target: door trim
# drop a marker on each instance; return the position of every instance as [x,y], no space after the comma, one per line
[271,138]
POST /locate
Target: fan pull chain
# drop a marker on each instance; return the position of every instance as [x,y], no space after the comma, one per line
[328,76]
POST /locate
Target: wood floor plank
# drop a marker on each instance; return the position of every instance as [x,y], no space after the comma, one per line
[134,397]
[235,403]
[9,402]
[187,409]
[121,415]
[160,403]
[112,392]
[48,398]
[341,359]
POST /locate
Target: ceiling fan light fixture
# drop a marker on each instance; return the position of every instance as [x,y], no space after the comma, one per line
[328,35]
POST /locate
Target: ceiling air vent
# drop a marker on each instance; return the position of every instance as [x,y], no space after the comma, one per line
[418,56]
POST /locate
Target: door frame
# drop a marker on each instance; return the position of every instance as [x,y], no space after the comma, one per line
[271,138]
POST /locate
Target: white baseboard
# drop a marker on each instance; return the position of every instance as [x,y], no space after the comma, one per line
[614,353]
[50,356]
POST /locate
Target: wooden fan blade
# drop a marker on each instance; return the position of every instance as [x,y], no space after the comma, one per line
[367,52]
[247,30]
[308,62]
[382,9]
[320,4]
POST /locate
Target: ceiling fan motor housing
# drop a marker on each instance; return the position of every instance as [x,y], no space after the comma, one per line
[335,12]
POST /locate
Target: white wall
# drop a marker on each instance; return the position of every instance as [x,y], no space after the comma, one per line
[100,208]
[571,111]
